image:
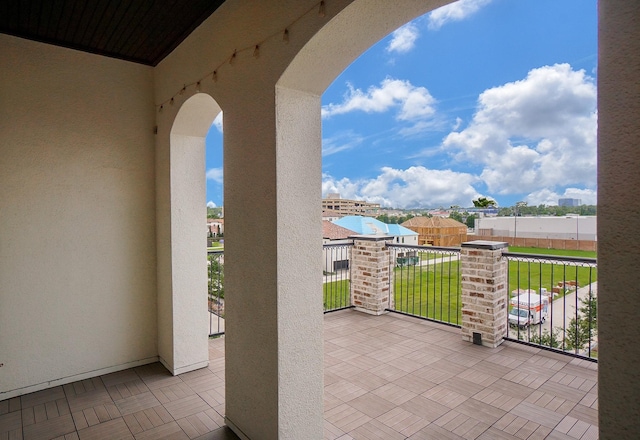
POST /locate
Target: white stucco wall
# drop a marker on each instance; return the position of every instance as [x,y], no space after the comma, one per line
[77,216]
[566,228]
[272,168]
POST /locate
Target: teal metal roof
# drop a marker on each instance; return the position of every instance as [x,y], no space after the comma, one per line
[371,226]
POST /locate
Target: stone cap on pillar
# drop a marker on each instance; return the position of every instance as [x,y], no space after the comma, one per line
[372,237]
[485,244]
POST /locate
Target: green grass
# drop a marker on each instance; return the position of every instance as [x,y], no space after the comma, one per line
[336,294]
[429,291]
[561,252]
[535,275]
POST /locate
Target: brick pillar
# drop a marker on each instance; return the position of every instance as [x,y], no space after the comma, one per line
[371,287]
[484,292]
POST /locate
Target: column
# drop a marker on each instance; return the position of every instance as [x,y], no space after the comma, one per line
[371,286]
[484,292]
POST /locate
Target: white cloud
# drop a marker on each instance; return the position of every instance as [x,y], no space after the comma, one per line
[215,174]
[341,142]
[539,132]
[456,11]
[412,102]
[403,39]
[413,187]
[548,197]
[217,122]
[210,204]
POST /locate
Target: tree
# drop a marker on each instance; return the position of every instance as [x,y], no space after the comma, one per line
[583,328]
[483,202]
[471,221]
[456,216]
[216,277]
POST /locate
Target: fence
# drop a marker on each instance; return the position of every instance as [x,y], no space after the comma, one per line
[215,292]
[336,283]
[426,282]
[553,302]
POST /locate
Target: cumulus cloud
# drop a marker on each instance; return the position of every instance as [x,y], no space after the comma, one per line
[414,187]
[412,102]
[539,132]
[210,204]
[548,197]
[215,174]
[403,39]
[217,122]
[454,12]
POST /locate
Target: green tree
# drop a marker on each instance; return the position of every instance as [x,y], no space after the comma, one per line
[546,339]
[214,212]
[582,330]
[216,277]
[471,221]
[456,216]
[483,202]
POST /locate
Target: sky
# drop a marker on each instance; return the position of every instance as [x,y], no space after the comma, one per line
[491,98]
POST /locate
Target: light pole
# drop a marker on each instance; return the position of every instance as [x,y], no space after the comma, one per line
[515,219]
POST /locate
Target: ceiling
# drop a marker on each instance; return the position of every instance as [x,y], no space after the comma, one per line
[142,31]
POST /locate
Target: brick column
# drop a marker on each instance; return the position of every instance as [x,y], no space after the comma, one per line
[371,286]
[484,292]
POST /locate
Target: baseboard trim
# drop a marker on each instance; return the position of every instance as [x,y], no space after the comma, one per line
[74,378]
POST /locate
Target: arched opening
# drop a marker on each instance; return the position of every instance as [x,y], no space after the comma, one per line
[182,316]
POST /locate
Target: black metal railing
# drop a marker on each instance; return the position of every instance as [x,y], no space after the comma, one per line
[553,303]
[215,292]
[336,273]
[426,282]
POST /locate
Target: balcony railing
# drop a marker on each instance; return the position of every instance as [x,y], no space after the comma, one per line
[215,292]
[426,282]
[336,273]
[553,303]
[551,299]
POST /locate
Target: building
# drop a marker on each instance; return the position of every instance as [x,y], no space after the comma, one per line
[437,231]
[555,228]
[349,207]
[337,257]
[371,226]
[113,135]
[569,202]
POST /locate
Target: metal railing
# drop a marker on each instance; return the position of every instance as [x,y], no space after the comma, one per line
[215,292]
[426,282]
[336,273]
[553,303]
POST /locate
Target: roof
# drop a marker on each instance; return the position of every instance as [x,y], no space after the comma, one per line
[433,222]
[142,31]
[371,226]
[335,232]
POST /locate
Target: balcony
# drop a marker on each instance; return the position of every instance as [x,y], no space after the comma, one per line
[389,377]
[404,374]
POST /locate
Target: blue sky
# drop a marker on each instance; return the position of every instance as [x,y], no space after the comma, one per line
[492,98]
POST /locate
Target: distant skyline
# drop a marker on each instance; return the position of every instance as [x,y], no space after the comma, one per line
[493,98]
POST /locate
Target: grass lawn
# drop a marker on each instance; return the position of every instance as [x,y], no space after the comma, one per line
[336,294]
[429,291]
[544,251]
[533,275]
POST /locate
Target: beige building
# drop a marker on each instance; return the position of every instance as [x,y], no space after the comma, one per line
[349,207]
[113,134]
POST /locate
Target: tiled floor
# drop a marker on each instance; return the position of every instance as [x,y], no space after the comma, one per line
[386,377]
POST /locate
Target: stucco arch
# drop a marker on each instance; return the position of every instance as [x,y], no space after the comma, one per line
[182,282]
[345,37]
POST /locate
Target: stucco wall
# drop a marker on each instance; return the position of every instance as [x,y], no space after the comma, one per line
[77,215]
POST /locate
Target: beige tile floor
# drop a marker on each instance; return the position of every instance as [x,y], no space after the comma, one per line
[386,377]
